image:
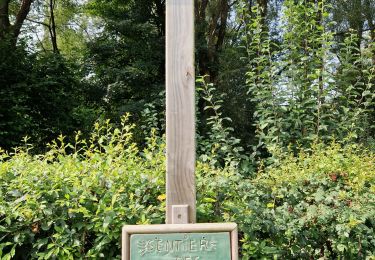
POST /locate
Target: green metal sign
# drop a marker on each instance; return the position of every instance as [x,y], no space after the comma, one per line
[180,246]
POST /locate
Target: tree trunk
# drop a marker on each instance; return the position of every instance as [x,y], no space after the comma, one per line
[21,16]
[217,28]
[211,26]
[369,14]
[8,30]
[201,24]
[210,35]
[355,19]
[320,101]
[52,27]
[4,18]
[224,6]
[160,11]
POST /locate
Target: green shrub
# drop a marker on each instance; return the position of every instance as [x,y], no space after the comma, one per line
[309,206]
[71,202]
[73,205]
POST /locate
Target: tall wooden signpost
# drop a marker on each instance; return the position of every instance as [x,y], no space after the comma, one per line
[180,238]
[180,84]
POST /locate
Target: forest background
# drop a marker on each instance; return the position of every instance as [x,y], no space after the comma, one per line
[288,72]
[285,124]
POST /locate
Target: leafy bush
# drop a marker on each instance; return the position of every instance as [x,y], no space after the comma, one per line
[73,205]
[71,202]
[314,205]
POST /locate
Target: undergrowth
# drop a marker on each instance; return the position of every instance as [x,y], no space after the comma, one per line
[71,202]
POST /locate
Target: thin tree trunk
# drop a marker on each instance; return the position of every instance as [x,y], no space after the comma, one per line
[53,26]
[370,20]
[160,11]
[200,20]
[372,34]
[223,24]
[320,101]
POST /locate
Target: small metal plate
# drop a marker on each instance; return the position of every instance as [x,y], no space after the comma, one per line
[204,241]
[181,246]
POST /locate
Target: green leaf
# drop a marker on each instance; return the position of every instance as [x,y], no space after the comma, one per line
[209,200]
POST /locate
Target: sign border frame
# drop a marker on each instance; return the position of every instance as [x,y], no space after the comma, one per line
[129,230]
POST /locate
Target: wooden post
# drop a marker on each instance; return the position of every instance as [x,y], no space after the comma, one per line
[181,209]
[180,85]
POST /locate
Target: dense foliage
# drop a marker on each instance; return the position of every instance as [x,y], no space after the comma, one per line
[314,205]
[294,71]
[71,201]
[41,97]
[301,93]
[285,125]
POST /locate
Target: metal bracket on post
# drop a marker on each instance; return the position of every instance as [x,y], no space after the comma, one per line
[180,214]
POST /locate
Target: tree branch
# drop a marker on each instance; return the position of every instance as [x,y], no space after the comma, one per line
[21,16]
[37,22]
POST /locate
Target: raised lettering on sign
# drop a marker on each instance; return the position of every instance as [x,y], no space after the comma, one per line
[175,246]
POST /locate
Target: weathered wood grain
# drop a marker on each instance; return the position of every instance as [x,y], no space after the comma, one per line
[180,84]
[180,214]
